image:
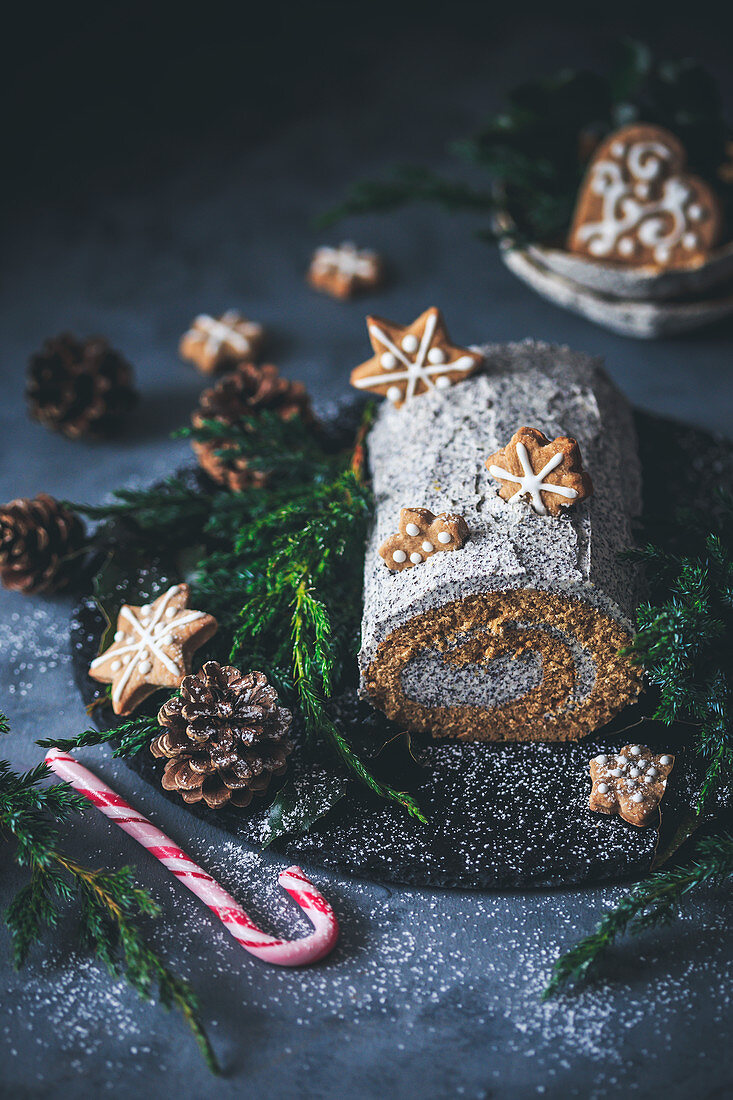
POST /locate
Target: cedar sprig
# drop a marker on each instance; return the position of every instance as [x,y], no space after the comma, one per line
[650,904]
[685,642]
[533,153]
[294,572]
[110,905]
[129,738]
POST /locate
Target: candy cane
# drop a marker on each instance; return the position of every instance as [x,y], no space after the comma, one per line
[308,949]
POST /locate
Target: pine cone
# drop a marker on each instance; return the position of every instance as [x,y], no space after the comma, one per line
[244,392]
[39,540]
[79,387]
[225,737]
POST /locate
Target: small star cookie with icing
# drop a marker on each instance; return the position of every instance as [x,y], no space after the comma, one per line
[345,270]
[411,359]
[215,343]
[630,783]
[152,648]
[421,535]
[549,475]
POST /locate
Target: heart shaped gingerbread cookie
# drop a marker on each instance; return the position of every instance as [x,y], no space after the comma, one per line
[638,206]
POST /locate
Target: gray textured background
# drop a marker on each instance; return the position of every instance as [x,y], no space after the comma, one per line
[429,993]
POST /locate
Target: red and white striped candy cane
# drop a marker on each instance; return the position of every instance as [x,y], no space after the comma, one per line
[308,949]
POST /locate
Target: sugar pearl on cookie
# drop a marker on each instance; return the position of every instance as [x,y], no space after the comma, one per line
[601,759]
[388,360]
[428,547]
[638,797]
[146,609]
[116,665]
[617,772]
[170,612]
[119,636]
[602,788]
[412,529]
[399,556]
[634,772]
[145,667]
[436,355]
[444,537]
[652,772]
[618,148]
[442,382]
[665,760]
[415,558]
[410,343]
[635,750]
[394,393]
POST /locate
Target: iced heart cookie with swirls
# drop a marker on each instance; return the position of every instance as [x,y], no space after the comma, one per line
[639,206]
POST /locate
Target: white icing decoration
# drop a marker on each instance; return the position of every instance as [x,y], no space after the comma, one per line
[168,640]
[394,393]
[147,636]
[444,537]
[532,482]
[602,788]
[634,772]
[410,343]
[415,558]
[428,547]
[388,360]
[145,609]
[617,772]
[442,383]
[638,797]
[410,371]
[346,260]
[601,760]
[116,665]
[436,355]
[628,210]
[648,778]
[665,760]
[399,556]
[412,529]
[635,750]
[652,773]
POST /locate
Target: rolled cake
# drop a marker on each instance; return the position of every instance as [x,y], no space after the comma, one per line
[515,636]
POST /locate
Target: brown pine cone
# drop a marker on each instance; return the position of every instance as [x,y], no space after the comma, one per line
[79,388]
[39,544]
[225,737]
[245,391]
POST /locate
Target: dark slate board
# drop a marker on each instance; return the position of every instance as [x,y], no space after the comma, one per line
[499,816]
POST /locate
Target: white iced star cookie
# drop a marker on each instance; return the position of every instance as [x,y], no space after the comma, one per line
[548,475]
[153,645]
[411,359]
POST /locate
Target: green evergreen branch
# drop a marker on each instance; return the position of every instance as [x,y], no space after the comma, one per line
[130,737]
[533,153]
[685,642]
[652,903]
[109,902]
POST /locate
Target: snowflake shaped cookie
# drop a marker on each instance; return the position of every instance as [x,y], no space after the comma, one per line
[152,648]
[549,475]
[213,343]
[421,535]
[630,783]
[345,270]
[639,206]
[411,359]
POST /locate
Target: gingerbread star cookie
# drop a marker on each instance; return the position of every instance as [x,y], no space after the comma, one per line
[639,206]
[345,270]
[549,475]
[213,343]
[421,535]
[411,359]
[631,783]
[152,648]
